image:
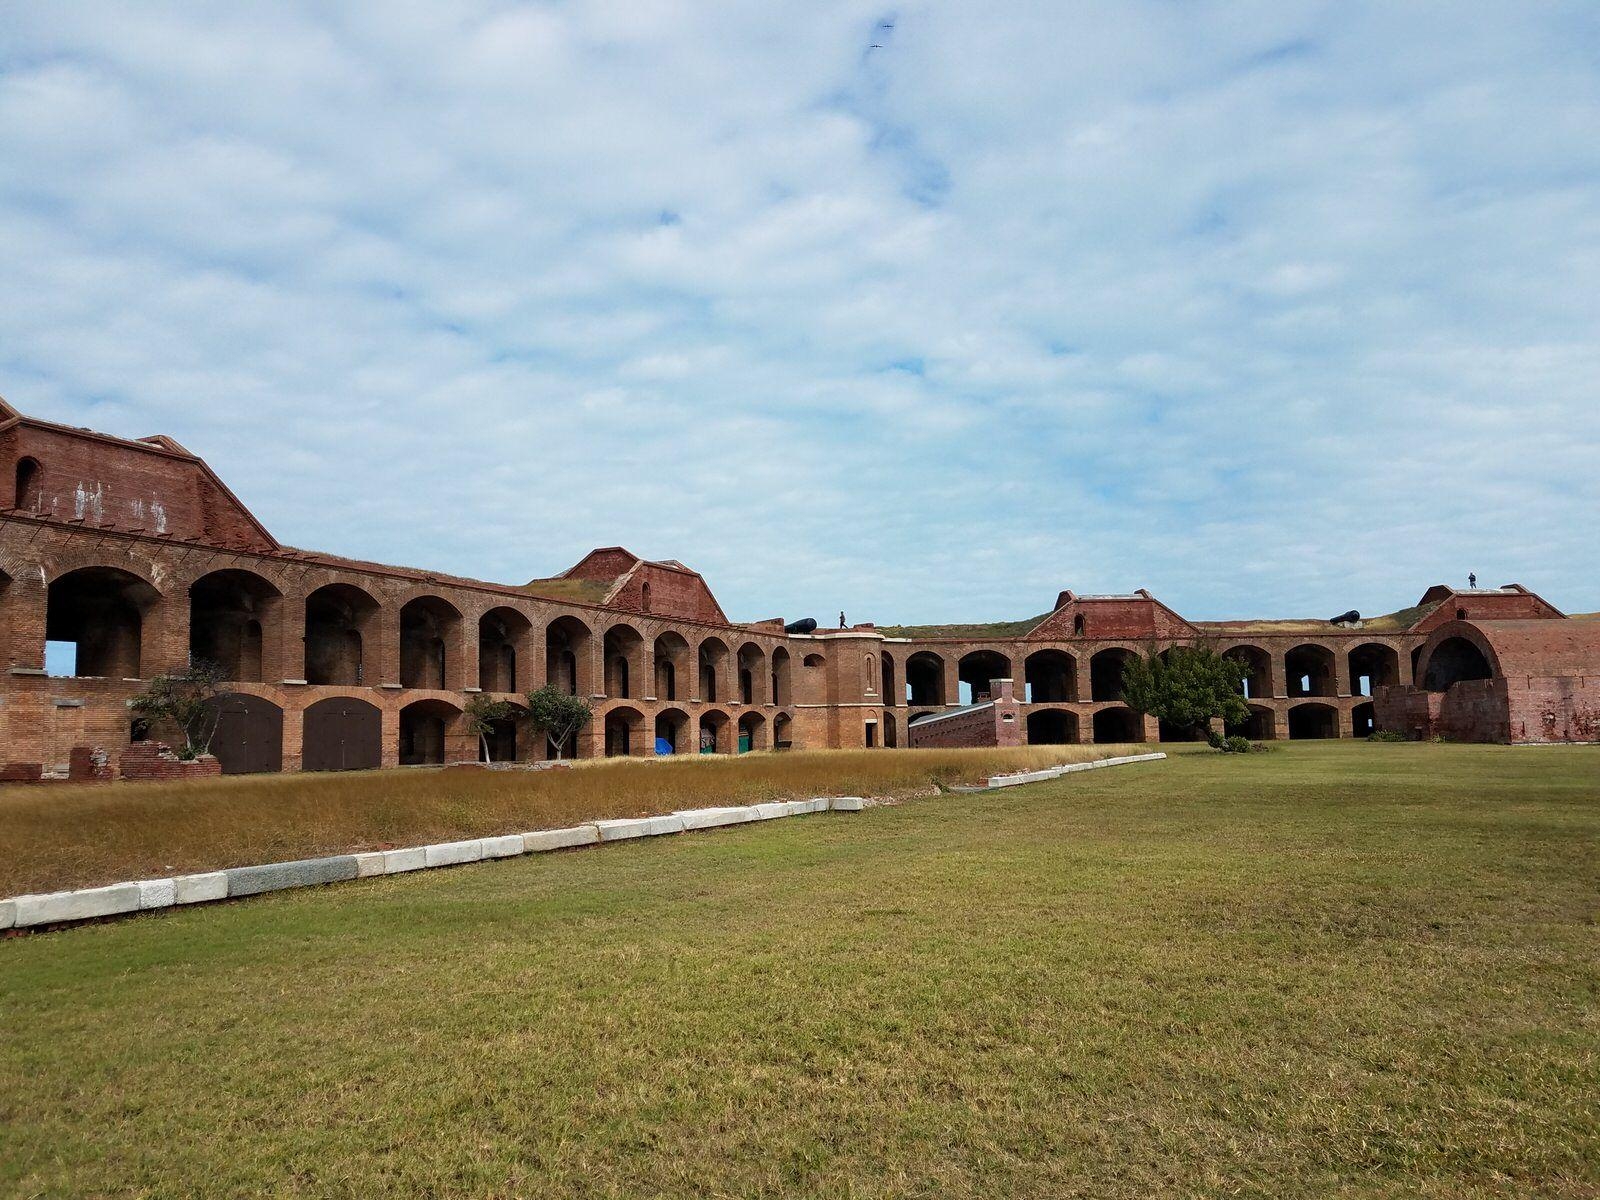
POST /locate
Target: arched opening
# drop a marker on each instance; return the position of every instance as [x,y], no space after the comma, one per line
[714,733]
[1310,671]
[1260,726]
[1453,661]
[913,718]
[713,668]
[752,673]
[1461,614]
[891,732]
[339,622]
[1050,677]
[566,656]
[501,743]
[1364,720]
[430,632]
[623,647]
[1105,674]
[228,612]
[1113,725]
[780,677]
[1257,685]
[1373,666]
[886,687]
[1052,727]
[1167,732]
[670,725]
[248,738]
[341,734]
[424,729]
[644,596]
[1078,627]
[624,728]
[925,678]
[977,672]
[28,495]
[504,637]
[672,666]
[94,624]
[782,739]
[1313,721]
[752,732]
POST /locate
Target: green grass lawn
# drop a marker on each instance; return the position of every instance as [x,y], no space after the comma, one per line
[1332,970]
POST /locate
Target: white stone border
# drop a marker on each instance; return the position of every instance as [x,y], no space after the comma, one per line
[88,903]
[85,904]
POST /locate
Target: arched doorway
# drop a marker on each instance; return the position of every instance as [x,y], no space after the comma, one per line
[1115,725]
[341,734]
[623,650]
[230,612]
[1310,670]
[1454,661]
[1050,677]
[1260,726]
[94,624]
[1052,727]
[430,640]
[504,637]
[249,734]
[1372,666]
[672,662]
[624,729]
[566,656]
[752,732]
[670,726]
[1105,675]
[977,673]
[425,730]
[925,679]
[1313,721]
[714,733]
[1257,685]
[340,622]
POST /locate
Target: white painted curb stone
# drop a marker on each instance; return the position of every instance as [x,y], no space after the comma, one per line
[77,906]
[559,839]
[413,858]
[448,854]
[196,889]
[622,828]
[504,847]
[8,913]
[847,804]
[714,818]
[368,865]
[158,893]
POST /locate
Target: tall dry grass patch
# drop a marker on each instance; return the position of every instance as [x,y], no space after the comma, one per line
[53,837]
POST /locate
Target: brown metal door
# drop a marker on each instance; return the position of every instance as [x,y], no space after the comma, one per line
[249,735]
[342,734]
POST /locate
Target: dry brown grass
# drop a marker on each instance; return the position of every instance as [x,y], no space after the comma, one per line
[65,837]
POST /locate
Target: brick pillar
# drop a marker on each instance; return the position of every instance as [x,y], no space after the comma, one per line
[380,651]
[466,668]
[391,734]
[164,636]
[1083,677]
[1152,728]
[1403,676]
[22,619]
[1280,670]
[1341,673]
[952,679]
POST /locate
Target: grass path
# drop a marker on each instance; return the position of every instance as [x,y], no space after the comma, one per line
[1334,970]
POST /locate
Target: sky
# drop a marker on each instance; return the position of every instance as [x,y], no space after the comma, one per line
[923,312]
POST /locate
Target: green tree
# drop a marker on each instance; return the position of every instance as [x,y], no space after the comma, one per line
[188,698]
[481,715]
[1187,688]
[558,714]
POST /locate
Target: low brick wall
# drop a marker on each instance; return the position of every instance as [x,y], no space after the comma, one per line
[155,760]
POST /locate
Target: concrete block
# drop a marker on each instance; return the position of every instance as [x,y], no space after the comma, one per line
[804,808]
[277,877]
[449,854]
[624,828]
[541,840]
[8,913]
[715,818]
[770,810]
[77,906]
[196,889]
[368,865]
[847,804]
[158,893]
[412,858]
[508,846]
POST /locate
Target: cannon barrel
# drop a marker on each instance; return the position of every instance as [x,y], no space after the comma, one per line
[808,625]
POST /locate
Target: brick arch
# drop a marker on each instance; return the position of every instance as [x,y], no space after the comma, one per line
[83,560]
[1452,631]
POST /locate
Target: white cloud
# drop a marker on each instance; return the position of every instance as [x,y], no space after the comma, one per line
[1273,308]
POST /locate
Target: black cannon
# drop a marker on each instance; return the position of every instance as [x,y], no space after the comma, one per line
[808,625]
[1350,618]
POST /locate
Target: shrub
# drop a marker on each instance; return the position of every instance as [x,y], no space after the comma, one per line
[1238,745]
[1387,735]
